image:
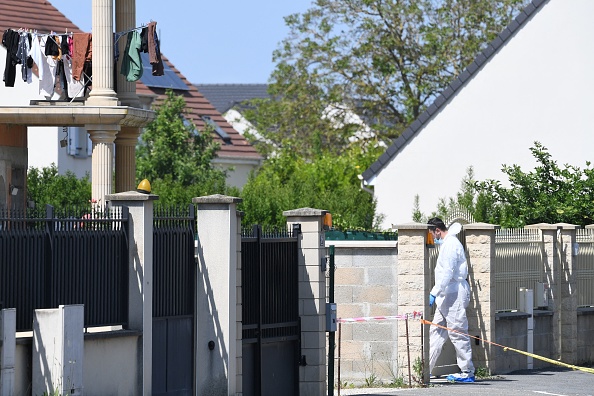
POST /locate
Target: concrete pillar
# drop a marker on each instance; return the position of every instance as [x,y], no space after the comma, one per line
[567,292]
[7,351]
[312,299]
[125,20]
[102,93]
[480,245]
[103,137]
[217,295]
[125,159]
[552,273]
[140,277]
[58,350]
[414,279]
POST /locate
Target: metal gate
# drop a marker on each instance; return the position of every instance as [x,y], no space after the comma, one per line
[270,311]
[173,301]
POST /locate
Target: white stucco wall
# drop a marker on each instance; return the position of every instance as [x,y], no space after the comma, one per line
[537,88]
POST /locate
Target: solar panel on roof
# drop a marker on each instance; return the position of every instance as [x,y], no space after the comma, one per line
[168,80]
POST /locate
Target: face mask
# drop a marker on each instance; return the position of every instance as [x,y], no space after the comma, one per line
[438,241]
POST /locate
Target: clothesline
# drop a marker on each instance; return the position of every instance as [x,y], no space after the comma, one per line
[54,33]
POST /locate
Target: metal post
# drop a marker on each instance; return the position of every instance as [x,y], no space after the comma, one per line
[48,267]
[422,351]
[258,368]
[331,335]
[408,351]
[339,339]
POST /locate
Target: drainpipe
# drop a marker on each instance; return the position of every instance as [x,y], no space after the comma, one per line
[364,184]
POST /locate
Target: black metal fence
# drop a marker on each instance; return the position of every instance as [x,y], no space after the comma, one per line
[174,230]
[72,256]
[174,267]
[270,310]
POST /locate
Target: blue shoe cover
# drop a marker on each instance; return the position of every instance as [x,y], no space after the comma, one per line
[462,377]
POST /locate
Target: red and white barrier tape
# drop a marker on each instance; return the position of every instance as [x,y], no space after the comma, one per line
[414,315]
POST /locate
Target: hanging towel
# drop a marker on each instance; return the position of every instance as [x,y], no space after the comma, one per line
[154,50]
[82,51]
[131,62]
[76,89]
[46,66]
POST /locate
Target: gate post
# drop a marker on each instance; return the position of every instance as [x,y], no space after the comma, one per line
[480,247]
[567,296]
[414,280]
[140,277]
[218,326]
[312,299]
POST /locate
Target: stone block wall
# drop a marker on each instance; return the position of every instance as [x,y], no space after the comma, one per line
[366,285]
[511,331]
[585,326]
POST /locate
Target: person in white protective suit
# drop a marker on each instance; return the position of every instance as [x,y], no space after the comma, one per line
[451,295]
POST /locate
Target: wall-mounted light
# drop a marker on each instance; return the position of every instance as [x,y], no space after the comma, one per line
[64,141]
[14,190]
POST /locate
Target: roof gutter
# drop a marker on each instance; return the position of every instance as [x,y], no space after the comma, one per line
[364,184]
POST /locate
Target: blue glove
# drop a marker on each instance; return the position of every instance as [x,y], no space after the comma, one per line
[431,300]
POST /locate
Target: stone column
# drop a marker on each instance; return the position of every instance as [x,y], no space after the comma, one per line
[312,299]
[125,159]
[567,288]
[414,279]
[480,245]
[7,350]
[102,93]
[125,20]
[102,137]
[216,295]
[140,277]
[58,350]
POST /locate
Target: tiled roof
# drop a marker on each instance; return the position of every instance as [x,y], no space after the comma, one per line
[198,106]
[443,99]
[16,14]
[225,96]
[42,16]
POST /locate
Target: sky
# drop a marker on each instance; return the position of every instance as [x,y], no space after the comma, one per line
[210,41]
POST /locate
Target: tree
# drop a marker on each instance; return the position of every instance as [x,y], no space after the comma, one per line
[330,182]
[46,187]
[177,158]
[385,60]
[547,194]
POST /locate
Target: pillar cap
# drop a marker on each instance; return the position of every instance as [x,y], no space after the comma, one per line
[410,226]
[131,196]
[303,212]
[481,226]
[216,199]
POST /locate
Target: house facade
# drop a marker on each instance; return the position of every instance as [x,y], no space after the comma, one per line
[532,83]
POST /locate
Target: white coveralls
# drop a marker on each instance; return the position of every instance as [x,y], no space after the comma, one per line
[452,295]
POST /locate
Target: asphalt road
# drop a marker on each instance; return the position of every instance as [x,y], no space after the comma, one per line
[557,382]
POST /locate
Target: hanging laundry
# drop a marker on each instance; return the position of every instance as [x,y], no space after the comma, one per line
[154,50]
[64,48]
[76,89]
[52,46]
[22,55]
[131,62]
[10,40]
[46,66]
[82,52]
